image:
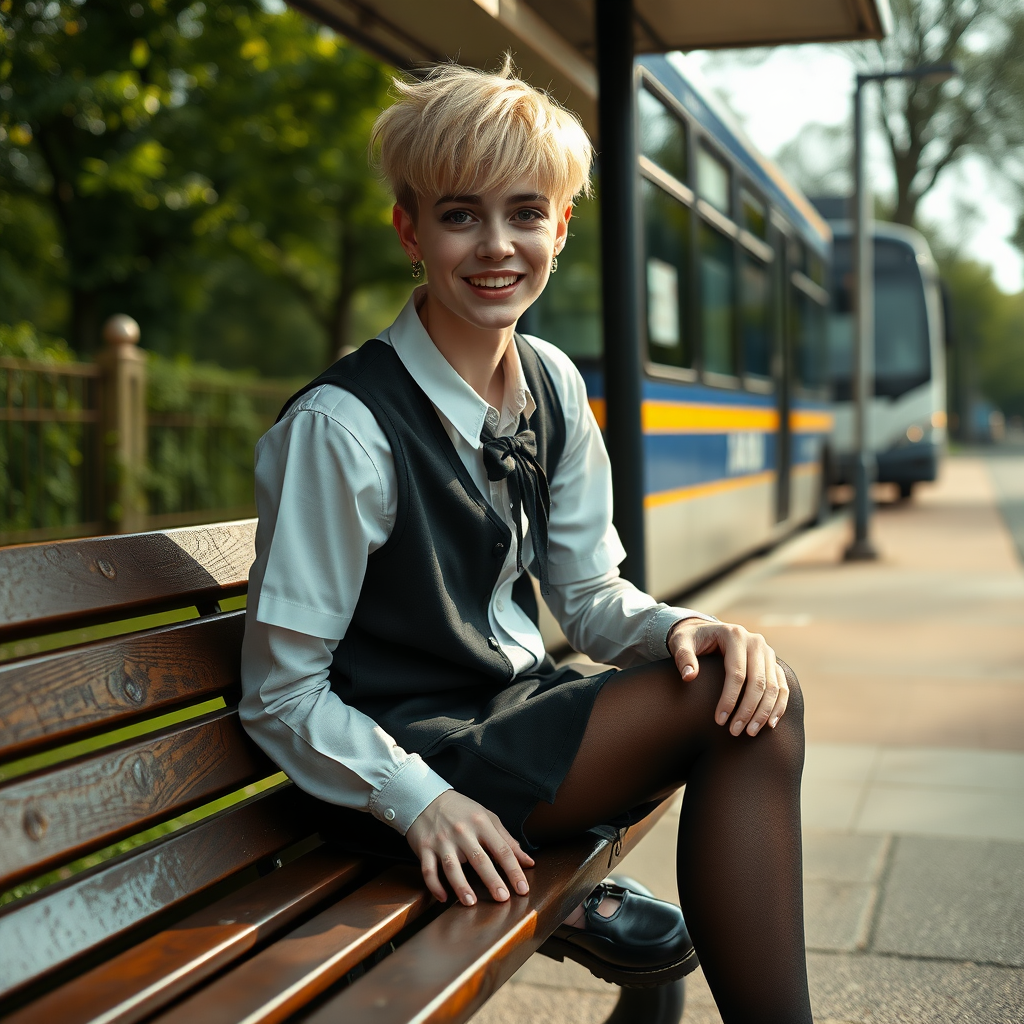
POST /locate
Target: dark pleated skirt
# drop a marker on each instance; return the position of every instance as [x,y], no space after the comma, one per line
[506,747]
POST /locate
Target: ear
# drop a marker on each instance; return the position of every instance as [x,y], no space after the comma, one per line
[562,229]
[406,228]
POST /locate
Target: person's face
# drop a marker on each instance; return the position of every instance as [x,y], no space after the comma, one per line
[488,255]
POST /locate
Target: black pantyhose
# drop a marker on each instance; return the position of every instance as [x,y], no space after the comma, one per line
[738,861]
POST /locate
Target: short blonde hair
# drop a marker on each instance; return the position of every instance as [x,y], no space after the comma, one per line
[459,131]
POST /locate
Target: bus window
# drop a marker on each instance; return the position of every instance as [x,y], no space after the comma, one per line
[809,335]
[717,295]
[712,180]
[666,238]
[755,291]
[755,216]
[662,135]
[902,357]
[568,313]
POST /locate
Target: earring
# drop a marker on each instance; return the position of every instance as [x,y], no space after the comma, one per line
[554,264]
[417,269]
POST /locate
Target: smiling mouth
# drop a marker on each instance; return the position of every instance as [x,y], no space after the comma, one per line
[494,282]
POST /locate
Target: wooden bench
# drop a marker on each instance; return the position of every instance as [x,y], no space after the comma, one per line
[239,912]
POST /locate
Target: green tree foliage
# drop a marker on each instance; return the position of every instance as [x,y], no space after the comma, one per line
[200,166]
[987,333]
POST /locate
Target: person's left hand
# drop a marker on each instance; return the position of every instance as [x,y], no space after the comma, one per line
[751,669]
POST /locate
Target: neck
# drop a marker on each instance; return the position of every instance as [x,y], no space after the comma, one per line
[475,354]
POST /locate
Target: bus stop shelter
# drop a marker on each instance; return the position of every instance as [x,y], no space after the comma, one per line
[582,52]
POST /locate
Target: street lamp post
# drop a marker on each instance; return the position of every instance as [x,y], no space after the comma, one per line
[861,547]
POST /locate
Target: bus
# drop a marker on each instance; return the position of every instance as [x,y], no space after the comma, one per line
[906,420]
[735,266]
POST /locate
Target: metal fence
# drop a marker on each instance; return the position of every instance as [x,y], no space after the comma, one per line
[49,450]
[127,443]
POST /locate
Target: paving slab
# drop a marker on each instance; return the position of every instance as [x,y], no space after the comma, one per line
[838,915]
[954,899]
[931,810]
[833,857]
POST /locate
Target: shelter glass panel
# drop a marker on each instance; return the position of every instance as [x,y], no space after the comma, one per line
[713,180]
[666,259]
[662,135]
[755,318]
[717,294]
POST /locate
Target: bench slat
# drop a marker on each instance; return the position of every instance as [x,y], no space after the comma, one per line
[284,977]
[56,586]
[62,813]
[56,698]
[147,977]
[446,971]
[59,924]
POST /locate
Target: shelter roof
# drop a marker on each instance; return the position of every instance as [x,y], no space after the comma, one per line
[553,40]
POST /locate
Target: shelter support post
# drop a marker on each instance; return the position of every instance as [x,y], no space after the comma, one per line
[864,337]
[623,370]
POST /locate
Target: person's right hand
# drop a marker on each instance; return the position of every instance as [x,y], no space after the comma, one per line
[453,830]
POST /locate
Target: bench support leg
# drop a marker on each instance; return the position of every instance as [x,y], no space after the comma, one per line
[661,1005]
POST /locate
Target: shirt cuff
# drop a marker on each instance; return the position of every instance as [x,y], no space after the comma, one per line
[401,800]
[660,624]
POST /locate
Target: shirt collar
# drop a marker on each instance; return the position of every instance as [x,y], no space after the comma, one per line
[449,393]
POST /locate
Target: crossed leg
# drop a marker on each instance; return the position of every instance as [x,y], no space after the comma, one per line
[738,859]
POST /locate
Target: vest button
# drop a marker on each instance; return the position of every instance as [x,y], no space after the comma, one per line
[499,548]
[493,644]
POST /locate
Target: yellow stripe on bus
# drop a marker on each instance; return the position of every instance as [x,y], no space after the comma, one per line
[811,421]
[705,490]
[679,418]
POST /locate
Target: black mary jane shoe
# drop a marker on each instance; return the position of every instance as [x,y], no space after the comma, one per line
[643,944]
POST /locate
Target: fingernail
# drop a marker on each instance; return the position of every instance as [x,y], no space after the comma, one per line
[723,718]
[522,888]
[774,722]
[753,729]
[688,671]
[737,728]
[469,899]
[502,895]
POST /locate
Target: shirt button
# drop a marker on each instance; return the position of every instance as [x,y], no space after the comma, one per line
[500,605]
[389,814]
[493,643]
[499,548]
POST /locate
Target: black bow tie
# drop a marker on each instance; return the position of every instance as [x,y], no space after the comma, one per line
[515,458]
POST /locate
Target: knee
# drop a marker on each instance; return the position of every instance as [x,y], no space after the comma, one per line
[796,695]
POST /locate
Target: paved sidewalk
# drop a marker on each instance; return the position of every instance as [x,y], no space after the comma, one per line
[913,672]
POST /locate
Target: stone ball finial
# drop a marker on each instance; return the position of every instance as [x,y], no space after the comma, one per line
[121,329]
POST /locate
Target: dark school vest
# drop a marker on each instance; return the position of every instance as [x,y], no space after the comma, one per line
[420,625]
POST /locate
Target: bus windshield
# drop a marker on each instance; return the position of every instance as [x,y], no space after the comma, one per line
[902,357]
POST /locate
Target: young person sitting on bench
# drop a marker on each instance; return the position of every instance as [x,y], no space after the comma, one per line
[392,661]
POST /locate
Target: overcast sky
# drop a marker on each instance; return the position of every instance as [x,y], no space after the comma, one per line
[796,86]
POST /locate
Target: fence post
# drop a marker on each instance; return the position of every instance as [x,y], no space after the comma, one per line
[123,432]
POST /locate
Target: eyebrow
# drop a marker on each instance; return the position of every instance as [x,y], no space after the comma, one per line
[526,197]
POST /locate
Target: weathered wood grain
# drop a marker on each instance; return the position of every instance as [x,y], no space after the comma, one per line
[59,585]
[149,976]
[64,696]
[288,974]
[62,813]
[449,969]
[48,930]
